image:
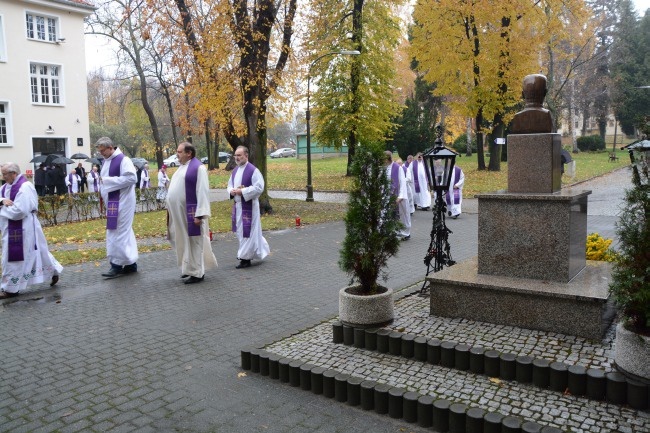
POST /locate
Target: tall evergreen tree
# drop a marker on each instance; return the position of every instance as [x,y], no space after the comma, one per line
[417,120]
[631,68]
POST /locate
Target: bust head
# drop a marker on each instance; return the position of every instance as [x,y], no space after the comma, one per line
[534,90]
[533,119]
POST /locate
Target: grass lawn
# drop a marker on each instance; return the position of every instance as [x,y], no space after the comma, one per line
[290,174]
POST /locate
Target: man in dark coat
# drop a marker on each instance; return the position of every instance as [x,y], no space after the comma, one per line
[81,172]
[39,180]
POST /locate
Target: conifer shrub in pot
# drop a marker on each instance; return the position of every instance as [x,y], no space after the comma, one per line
[371,238]
[630,286]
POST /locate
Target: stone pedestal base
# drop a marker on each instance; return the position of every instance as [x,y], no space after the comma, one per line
[534,163]
[578,308]
[537,236]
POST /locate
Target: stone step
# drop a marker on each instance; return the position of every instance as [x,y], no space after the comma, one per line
[477,391]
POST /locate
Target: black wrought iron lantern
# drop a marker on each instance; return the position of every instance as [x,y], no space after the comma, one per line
[439,163]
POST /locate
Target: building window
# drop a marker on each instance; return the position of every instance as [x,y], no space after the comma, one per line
[3,47]
[45,83]
[41,28]
[5,124]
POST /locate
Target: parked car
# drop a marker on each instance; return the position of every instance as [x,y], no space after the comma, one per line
[223,157]
[283,152]
[172,161]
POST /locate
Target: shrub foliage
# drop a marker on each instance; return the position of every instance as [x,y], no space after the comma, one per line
[371,221]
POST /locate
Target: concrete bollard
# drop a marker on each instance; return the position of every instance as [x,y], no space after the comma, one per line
[425,411]
[395,402]
[420,348]
[477,360]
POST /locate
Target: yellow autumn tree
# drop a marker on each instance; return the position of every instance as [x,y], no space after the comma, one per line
[478,51]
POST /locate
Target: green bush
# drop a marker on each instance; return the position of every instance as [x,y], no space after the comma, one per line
[591,143]
[630,286]
[460,144]
[371,223]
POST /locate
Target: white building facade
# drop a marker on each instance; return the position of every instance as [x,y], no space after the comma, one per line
[43,92]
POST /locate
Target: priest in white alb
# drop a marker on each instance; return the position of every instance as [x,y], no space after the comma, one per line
[422,196]
[118,179]
[395,174]
[26,259]
[188,209]
[245,186]
[454,196]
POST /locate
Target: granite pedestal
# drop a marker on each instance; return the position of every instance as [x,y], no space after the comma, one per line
[578,307]
[534,163]
[537,236]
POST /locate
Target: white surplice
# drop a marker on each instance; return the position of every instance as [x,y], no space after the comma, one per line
[193,253]
[163,180]
[38,265]
[144,179]
[255,246]
[454,201]
[92,176]
[422,198]
[121,246]
[72,182]
[402,199]
[410,189]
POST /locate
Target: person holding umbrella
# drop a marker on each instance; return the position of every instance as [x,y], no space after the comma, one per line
[81,172]
[39,180]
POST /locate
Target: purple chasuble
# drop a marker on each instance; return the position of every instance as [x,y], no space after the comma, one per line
[246,206]
[454,197]
[191,201]
[394,178]
[113,205]
[416,178]
[15,227]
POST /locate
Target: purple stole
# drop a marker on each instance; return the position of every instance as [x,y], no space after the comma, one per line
[394,178]
[191,201]
[15,227]
[94,176]
[70,180]
[113,204]
[454,192]
[405,168]
[416,178]
[246,206]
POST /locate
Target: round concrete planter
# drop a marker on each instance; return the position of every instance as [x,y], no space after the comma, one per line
[365,310]
[632,353]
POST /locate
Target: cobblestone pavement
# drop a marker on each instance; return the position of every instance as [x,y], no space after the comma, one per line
[145,353]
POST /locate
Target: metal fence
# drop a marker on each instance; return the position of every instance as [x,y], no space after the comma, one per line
[61,209]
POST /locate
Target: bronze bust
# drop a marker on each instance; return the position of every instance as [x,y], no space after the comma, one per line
[533,119]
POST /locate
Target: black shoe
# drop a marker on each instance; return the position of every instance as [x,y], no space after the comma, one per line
[7,295]
[55,279]
[130,269]
[243,264]
[113,273]
[184,276]
[406,238]
[426,208]
[193,280]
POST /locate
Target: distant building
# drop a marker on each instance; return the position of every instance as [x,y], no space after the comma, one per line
[43,93]
[316,150]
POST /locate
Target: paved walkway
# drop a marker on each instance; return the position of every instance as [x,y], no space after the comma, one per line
[145,353]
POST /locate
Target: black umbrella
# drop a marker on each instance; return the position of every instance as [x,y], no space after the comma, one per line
[566,156]
[79,156]
[62,160]
[38,159]
[94,161]
[138,164]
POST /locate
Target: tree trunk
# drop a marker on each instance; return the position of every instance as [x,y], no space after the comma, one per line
[355,78]
[480,155]
[468,152]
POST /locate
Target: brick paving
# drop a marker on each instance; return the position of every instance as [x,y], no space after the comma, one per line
[145,353]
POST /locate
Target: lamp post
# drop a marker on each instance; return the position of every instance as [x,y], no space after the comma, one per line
[310,188]
[439,166]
